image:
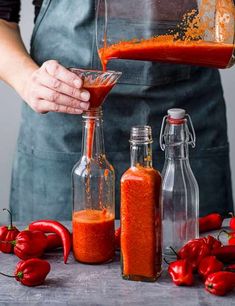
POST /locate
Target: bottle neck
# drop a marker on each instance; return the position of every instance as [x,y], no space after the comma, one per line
[92,139]
[176,141]
[141,155]
[177,152]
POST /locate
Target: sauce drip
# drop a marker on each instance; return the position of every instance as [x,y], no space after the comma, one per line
[98,94]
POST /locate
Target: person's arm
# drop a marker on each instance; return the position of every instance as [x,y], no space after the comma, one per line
[50,87]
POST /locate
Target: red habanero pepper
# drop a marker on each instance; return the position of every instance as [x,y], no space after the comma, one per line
[210,222]
[51,226]
[181,272]
[53,242]
[29,244]
[220,283]
[31,272]
[212,242]
[7,233]
[194,251]
[226,253]
[117,238]
[231,240]
[232,222]
[209,265]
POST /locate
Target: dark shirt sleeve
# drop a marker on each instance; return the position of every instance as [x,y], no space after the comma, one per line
[37,4]
[10,10]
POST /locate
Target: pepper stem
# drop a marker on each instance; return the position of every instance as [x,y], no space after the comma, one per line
[11,224]
[174,252]
[222,231]
[13,242]
[7,275]
[20,274]
[167,262]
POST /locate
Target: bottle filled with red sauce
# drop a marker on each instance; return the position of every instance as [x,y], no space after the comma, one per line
[93,197]
[141,211]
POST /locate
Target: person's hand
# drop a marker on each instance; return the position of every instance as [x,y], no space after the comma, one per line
[53,88]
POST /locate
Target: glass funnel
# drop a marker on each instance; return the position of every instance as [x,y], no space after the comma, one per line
[199,32]
[98,83]
[93,179]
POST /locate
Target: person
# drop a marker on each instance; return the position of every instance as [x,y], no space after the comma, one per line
[49,141]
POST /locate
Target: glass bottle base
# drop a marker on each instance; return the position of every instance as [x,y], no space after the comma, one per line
[95,262]
[140,278]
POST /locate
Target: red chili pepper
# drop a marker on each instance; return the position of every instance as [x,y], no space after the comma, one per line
[209,265]
[7,233]
[181,272]
[232,222]
[194,251]
[117,238]
[31,272]
[210,222]
[51,226]
[53,242]
[29,244]
[226,253]
[220,283]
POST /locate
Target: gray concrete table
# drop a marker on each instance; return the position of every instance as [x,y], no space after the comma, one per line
[79,284]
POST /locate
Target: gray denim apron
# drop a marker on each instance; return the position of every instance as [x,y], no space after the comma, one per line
[50,144]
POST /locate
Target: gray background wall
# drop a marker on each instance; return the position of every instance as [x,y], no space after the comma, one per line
[10,115]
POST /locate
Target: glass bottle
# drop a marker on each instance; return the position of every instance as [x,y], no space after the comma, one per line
[179,188]
[141,230]
[183,31]
[93,182]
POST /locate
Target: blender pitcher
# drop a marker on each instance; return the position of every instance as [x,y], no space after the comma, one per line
[179,31]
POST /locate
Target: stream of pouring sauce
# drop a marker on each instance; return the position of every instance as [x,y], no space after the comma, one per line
[98,94]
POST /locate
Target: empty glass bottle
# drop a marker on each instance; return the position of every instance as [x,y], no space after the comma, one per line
[179,190]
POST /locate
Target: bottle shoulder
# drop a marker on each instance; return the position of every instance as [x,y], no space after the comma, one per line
[87,166]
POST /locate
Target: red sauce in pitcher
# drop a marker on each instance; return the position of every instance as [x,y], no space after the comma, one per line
[165,49]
